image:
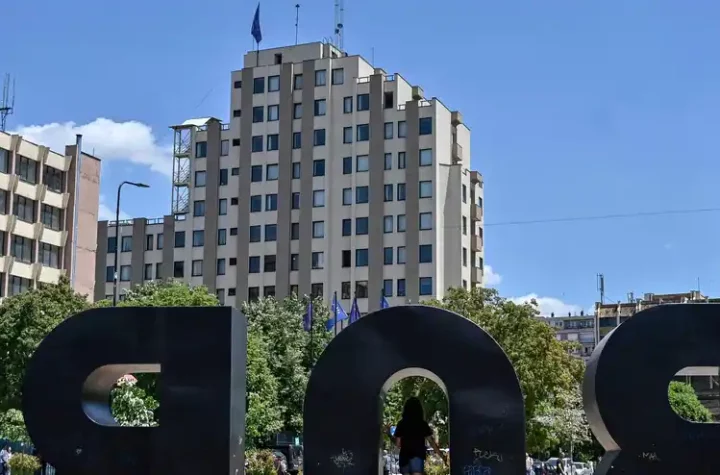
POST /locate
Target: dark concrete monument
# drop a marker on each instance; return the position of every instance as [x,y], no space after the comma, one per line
[626,392]
[202,355]
[343,405]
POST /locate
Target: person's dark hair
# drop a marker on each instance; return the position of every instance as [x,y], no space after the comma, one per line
[413,410]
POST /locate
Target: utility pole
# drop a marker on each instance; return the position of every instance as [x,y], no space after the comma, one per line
[601,289]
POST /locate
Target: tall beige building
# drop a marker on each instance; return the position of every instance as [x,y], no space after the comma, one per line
[48,216]
[331,176]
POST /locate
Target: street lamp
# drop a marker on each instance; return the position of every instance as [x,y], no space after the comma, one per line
[116,274]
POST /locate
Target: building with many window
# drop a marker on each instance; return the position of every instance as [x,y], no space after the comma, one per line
[48,216]
[577,329]
[331,176]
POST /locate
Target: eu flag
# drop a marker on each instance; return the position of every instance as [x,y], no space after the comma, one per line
[338,313]
[307,322]
[255,30]
[354,312]
[383,302]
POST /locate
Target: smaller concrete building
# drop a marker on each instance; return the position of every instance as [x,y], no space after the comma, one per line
[575,328]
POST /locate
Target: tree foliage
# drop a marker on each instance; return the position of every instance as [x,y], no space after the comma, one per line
[565,421]
[132,406]
[686,404]
[264,415]
[12,426]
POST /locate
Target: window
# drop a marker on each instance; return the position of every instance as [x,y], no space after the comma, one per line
[149,241]
[362,163]
[389,192]
[24,209]
[347,134]
[316,290]
[426,129]
[318,198]
[387,288]
[295,200]
[109,274]
[233,231]
[347,227]
[388,161]
[224,148]
[401,223]
[3,201]
[256,203]
[253,293]
[425,253]
[125,273]
[320,107]
[298,82]
[426,189]
[222,206]
[201,150]
[346,259]
[347,196]
[200,179]
[196,269]
[426,157]
[297,110]
[271,172]
[147,275]
[4,160]
[273,113]
[222,237]
[198,238]
[401,191]
[401,255]
[160,241]
[318,260]
[388,256]
[338,76]
[51,217]
[363,133]
[294,261]
[19,285]
[426,221]
[318,229]
[269,263]
[199,208]
[465,257]
[401,287]
[294,231]
[54,179]
[464,194]
[50,255]
[361,289]
[254,264]
[297,140]
[257,143]
[271,202]
[361,257]
[220,294]
[388,224]
[269,291]
[426,286]
[27,169]
[271,232]
[179,238]
[361,226]
[258,85]
[237,113]
[258,114]
[273,83]
[256,173]
[389,100]
[237,84]
[296,170]
[345,290]
[255,233]
[363,102]
[319,137]
[361,194]
[178,269]
[402,129]
[223,178]
[111,245]
[464,226]
[320,77]
[347,105]
[401,160]
[158,270]
[235,142]
[273,142]
[319,167]
[126,244]
[347,165]
[388,130]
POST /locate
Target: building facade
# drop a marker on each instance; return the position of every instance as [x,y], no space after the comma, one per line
[331,176]
[578,329]
[48,216]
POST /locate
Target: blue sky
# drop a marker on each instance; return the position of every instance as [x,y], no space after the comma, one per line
[577,109]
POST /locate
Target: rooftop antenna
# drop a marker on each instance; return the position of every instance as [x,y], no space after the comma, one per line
[7,101]
[297,21]
[339,19]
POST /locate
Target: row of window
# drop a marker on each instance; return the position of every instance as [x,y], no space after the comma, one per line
[23,250]
[28,171]
[273,82]
[26,210]
[17,285]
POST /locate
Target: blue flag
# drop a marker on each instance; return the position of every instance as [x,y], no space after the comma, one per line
[255,30]
[354,312]
[383,302]
[338,313]
[307,322]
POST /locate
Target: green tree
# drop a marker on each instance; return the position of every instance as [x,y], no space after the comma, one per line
[165,293]
[565,422]
[12,426]
[25,320]
[543,365]
[264,415]
[131,405]
[686,404]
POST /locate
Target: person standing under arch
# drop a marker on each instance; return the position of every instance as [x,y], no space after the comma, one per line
[411,433]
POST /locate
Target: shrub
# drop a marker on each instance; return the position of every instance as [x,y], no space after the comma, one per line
[24,464]
[259,462]
[434,466]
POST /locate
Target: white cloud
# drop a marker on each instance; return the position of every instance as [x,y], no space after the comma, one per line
[129,141]
[548,305]
[106,212]
[490,278]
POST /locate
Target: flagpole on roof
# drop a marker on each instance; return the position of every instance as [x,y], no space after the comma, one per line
[256,33]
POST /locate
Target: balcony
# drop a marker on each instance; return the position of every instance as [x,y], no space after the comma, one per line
[25,229]
[476,243]
[55,199]
[476,178]
[476,213]
[33,191]
[47,274]
[21,269]
[417,93]
[476,275]
[456,118]
[457,153]
[50,236]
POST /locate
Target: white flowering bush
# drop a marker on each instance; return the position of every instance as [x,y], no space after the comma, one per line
[131,406]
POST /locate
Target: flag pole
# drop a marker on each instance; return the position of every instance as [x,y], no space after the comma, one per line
[312,333]
[257,54]
[335,309]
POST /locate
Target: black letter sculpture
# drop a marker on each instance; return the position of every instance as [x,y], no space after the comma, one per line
[343,406]
[201,353]
[626,392]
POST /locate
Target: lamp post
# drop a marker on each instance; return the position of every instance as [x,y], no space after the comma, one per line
[116,273]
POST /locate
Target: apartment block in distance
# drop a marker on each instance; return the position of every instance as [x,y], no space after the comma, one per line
[48,216]
[331,176]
